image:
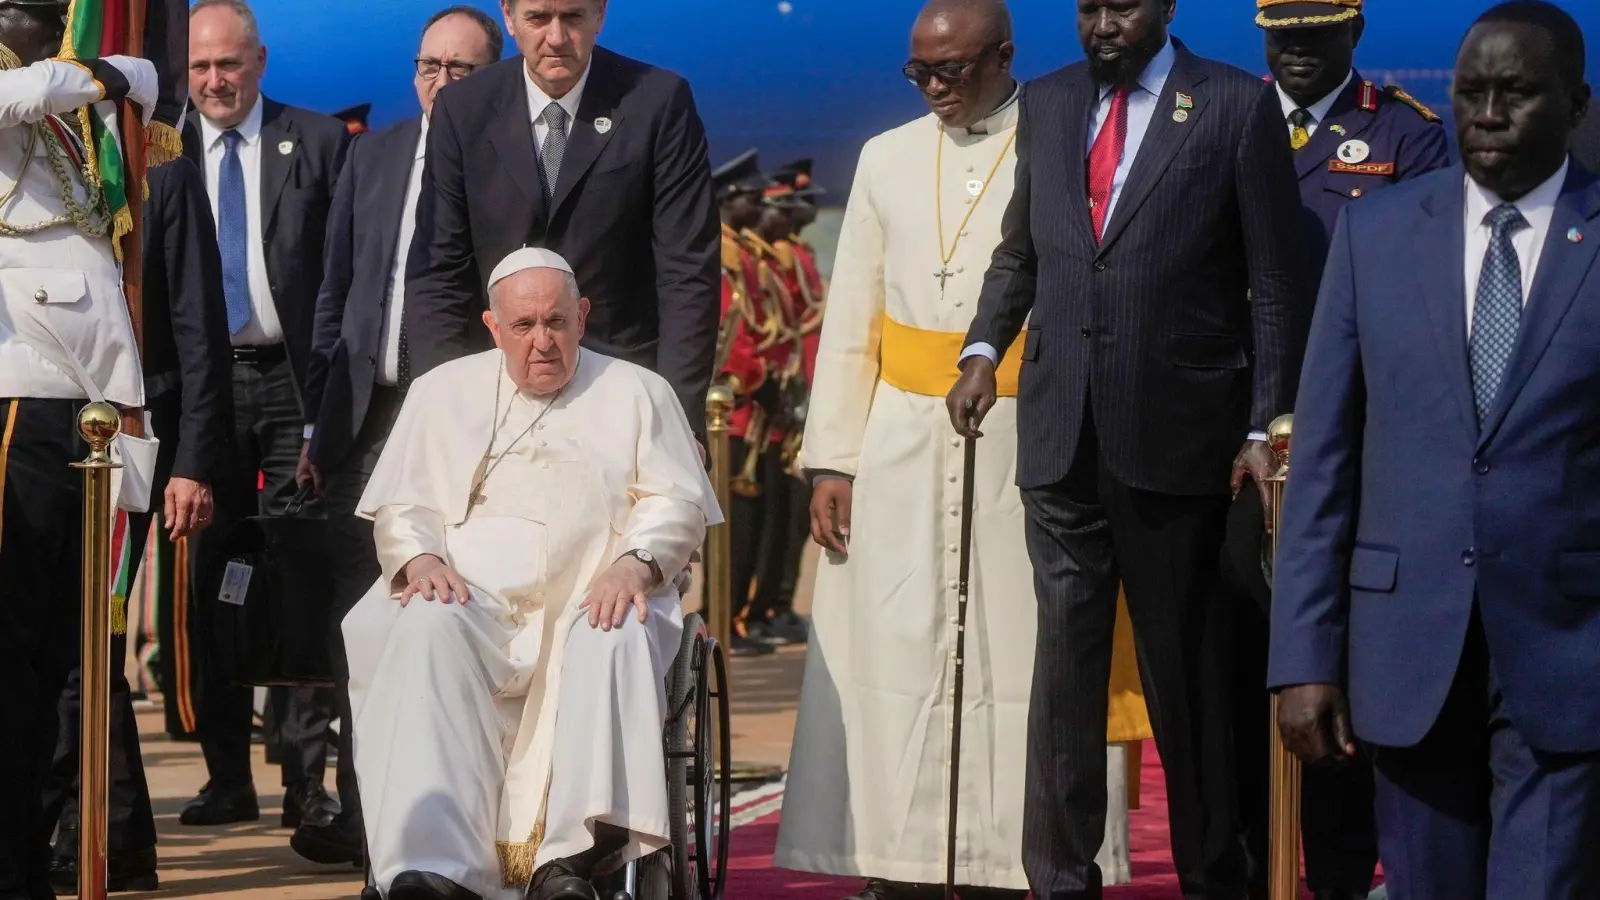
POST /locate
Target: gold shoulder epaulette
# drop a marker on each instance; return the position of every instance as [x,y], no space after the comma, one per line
[1395,92]
[785,254]
[758,243]
[730,253]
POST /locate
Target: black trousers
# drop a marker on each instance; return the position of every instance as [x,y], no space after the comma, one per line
[357,567]
[1084,534]
[756,527]
[268,430]
[131,823]
[788,520]
[40,541]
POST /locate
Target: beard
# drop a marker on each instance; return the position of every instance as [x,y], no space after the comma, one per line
[1124,71]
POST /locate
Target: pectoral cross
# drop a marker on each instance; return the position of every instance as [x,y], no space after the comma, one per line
[944,274]
[475,498]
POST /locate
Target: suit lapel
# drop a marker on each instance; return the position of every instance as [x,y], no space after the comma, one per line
[394,178]
[1443,238]
[1081,104]
[586,141]
[511,135]
[1563,265]
[1162,141]
[193,146]
[1347,113]
[277,133]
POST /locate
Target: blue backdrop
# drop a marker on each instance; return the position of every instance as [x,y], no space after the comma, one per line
[814,77]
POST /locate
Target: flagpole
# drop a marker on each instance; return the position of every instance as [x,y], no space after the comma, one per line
[133,154]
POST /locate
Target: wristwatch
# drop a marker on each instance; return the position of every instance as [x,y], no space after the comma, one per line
[646,557]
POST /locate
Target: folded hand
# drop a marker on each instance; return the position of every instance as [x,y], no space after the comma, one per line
[428,576]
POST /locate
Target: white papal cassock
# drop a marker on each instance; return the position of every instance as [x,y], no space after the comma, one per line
[867,782]
[491,736]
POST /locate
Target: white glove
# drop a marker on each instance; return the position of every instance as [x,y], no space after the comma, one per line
[143,84]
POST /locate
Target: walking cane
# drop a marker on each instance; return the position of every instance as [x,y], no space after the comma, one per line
[1283,859]
[969,464]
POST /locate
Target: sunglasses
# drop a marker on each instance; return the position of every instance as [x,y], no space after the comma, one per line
[951,73]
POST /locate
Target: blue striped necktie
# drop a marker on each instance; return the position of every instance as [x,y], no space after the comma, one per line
[233,231]
[1497,311]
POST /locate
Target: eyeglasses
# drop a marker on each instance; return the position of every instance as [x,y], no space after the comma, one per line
[429,68]
[951,73]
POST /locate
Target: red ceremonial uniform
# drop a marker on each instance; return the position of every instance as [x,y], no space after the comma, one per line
[745,328]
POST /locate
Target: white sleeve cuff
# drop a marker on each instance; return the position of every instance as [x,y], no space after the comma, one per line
[982,349]
[311,429]
[1258,436]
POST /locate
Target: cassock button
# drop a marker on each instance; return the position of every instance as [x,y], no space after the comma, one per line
[953,548]
[955,511]
[958,304]
[953,584]
[545,465]
[955,442]
[41,296]
[953,478]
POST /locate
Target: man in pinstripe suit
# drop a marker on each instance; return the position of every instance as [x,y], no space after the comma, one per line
[1166,314]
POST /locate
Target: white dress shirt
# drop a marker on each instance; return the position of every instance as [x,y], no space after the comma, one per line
[389,366]
[1141,108]
[1318,110]
[263,327]
[1538,207]
[538,100]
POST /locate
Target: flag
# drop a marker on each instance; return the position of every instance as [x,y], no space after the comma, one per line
[101,28]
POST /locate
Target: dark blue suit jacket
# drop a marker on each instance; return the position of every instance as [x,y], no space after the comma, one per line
[358,265]
[1156,329]
[1401,144]
[1401,511]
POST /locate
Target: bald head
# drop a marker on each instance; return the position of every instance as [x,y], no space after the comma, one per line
[961,55]
[989,21]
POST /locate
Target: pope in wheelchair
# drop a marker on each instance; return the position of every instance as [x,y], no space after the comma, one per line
[533,508]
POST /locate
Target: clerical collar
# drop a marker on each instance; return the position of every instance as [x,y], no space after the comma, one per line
[1004,116]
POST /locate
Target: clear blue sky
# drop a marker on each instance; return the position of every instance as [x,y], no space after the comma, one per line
[813,77]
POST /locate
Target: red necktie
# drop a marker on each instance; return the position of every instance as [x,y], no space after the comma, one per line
[1104,157]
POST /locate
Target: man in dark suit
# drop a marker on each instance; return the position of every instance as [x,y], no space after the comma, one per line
[1438,547]
[1351,139]
[270,171]
[590,154]
[1165,321]
[352,392]
[1586,140]
[187,396]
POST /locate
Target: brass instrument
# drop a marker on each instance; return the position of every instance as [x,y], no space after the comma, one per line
[1283,857]
[98,423]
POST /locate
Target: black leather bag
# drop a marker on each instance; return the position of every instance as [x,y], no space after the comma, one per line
[280,631]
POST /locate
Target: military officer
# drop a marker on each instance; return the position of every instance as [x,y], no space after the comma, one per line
[749,345]
[1350,138]
[65,336]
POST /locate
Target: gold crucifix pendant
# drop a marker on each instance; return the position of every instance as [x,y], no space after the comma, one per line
[944,274]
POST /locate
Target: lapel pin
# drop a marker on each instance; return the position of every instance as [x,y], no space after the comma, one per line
[284,147]
[1354,151]
[1180,115]
[1336,128]
[1574,235]
[1184,103]
[602,124]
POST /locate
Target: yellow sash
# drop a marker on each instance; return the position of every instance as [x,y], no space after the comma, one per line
[919,361]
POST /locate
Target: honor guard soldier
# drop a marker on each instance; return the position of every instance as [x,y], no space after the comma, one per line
[1350,138]
[65,337]
[752,328]
[789,207]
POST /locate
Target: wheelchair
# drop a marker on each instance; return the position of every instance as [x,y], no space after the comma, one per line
[698,745]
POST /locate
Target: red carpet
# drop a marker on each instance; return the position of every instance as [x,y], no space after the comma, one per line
[751,876]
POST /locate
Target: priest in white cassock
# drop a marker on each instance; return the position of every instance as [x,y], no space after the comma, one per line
[507,671]
[868,781]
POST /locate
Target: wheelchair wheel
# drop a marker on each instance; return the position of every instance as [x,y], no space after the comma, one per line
[698,740]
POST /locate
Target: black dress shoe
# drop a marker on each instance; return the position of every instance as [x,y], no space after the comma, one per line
[335,843]
[782,629]
[371,892]
[221,806]
[126,870]
[1339,894]
[741,646]
[414,885]
[880,889]
[557,880]
[308,803]
[988,893]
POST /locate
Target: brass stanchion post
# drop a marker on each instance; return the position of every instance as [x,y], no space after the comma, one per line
[98,423]
[1284,856]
